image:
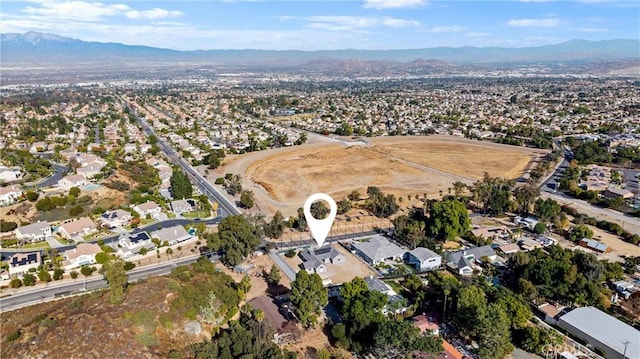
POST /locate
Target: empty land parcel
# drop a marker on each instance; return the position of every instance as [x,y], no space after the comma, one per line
[283,178]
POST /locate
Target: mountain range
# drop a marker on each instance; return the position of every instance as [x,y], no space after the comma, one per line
[43,48]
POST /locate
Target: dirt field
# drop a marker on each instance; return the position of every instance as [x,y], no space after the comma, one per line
[460,156]
[283,178]
[339,273]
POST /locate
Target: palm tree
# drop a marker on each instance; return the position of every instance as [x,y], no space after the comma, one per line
[259,315]
[446,290]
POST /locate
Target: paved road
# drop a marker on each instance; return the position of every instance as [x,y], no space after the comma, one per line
[55,290]
[225,207]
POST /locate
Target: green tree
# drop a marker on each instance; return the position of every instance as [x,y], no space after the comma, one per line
[236,239]
[275,227]
[459,188]
[246,199]
[579,232]
[494,336]
[343,206]
[181,186]
[74,191]
[398,339]
[471,309]
[116,276]
[102,257]
[540,227]
[354,196]
[448,219]
[7,226]
[524,197]
[32,196]
[546,209]
[76,210]
[274,275]
[309,296]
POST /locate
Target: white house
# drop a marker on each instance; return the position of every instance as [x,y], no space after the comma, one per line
[378,249]
[90,170]
[183,206]
[9,174]
[83,254]
[115,218]
[148,208]
[423,259]
[78,228]
[173,235]
[34,232]
[70,181]
[20,263]
[132,243]
[9,195]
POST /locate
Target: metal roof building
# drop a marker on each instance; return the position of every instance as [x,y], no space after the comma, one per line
[616,338]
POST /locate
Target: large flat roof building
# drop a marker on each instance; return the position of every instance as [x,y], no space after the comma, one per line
[614,337]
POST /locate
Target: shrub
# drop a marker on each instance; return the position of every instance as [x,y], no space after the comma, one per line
[219,180]
[7,226]
[12,336]
[15,283]
[129,266]
[32,196]
[73,274]
[29,279]
[290,253]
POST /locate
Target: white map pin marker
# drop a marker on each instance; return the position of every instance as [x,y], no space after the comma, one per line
[320,227]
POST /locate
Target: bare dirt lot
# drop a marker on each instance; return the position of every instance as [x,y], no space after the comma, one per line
[339,273]
[283,178]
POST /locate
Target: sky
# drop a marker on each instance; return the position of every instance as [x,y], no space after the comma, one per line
[325,24]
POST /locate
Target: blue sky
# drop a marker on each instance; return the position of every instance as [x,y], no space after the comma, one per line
[322,24]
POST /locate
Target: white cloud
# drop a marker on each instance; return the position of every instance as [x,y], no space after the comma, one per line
[535,22]
[76,10]
[393,22]
[590,29]
[79,10]
[351,23]
[153,14]
[452,28]
[393,4]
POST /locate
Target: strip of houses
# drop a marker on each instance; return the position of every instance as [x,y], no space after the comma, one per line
[9,195]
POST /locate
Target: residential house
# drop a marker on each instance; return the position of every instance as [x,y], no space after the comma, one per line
[9,174]
[34,232]
[509,249]
[595,245]
[425,325]
[465,261]
[314,261]
[90,171]
[78,228]
[131,243]
[279,318]
[550,312]
[20,263]
[450,352]
[149,208]
[115,218]
[396,304]
[614,193]
[83,254]
[377,250]
[9,195]
[423,259]
[70,181]
[173,235]
[529,244]
[183,206]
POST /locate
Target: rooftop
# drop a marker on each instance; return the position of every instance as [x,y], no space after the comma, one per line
[605,329]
